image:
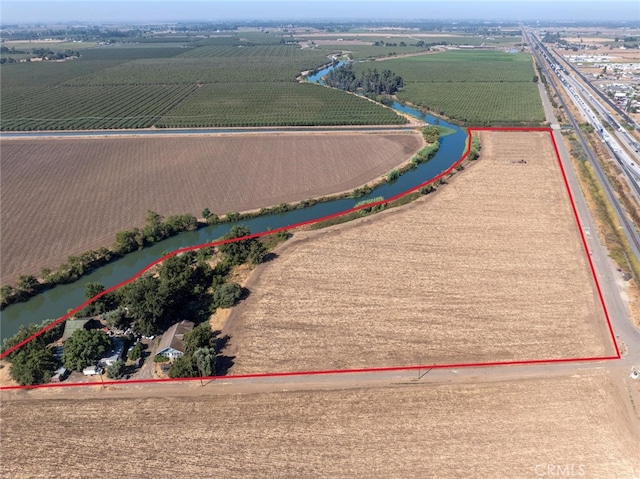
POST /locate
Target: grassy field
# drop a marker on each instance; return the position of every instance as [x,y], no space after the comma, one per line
[490,268]
[473,87]
[487,430]
[196,84]
[62,197]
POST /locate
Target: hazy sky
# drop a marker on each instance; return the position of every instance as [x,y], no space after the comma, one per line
[140,11]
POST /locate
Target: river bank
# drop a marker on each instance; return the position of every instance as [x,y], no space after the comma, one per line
[56,301]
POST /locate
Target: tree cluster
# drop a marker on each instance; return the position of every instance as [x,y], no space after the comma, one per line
[431,133]
[84,348]
[154,302]
[238,252]
[370,82]
[183,287]
[33,363]
[156,229]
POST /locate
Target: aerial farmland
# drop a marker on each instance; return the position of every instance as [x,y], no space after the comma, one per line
[465,320]
[103,185]
[491,268]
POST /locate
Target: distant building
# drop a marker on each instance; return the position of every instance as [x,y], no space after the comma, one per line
[172,343]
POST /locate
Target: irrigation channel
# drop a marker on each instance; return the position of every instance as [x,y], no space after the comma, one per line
[56,302]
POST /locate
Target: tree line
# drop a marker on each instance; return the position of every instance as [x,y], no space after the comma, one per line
[156,229]
[183,287]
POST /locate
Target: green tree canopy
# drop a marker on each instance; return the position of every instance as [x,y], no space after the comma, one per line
[137,350]
[146,303]
[239,252]
[183,367]
[49,336]
[101,304]
[117,318]
[199,337]
[33,365]
[227,295]
[29,284]
[126,241]
[116,370]
[85,347]
[205,361]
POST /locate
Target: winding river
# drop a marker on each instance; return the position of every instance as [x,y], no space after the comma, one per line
[55,303]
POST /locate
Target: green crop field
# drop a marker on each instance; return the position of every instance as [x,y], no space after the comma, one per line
[361,52]
[488,103]
[275,104]
[210,82]
[472,87]
[73,108]
[42,74]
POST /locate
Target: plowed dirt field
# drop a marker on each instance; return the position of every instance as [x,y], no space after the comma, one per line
[517,429]
[66,196]
[489,268]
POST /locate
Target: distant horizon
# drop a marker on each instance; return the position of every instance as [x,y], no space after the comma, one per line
[163,12]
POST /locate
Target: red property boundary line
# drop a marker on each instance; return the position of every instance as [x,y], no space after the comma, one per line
[335,215]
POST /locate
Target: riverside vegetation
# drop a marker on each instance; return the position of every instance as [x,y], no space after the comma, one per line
[189,286]
[158,228]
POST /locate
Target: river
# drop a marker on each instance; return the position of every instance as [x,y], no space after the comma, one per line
[56,302]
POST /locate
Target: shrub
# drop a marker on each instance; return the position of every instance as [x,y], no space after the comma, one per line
[136,351]
[227,295]
[392,175]
[116,370]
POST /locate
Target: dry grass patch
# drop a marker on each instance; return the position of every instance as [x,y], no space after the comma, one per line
[490,268]
[66,196]
[501,429]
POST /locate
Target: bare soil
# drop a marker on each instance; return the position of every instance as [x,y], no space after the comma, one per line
[66,196]
[489,268]
[499,429]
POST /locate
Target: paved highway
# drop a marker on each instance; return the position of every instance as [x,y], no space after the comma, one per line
[622,147]
[630,231]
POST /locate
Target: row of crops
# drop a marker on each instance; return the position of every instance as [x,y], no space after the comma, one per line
[71,108]
[180,86]
[220,83]
[261,51]
[92,61]
[201,70]
[462,66]
[274,104]
[473,87]
[478,103]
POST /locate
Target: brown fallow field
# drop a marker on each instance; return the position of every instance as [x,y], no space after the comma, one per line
[66,196]
[489,268]
[518,428]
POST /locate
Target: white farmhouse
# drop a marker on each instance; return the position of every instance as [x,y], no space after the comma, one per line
[172,343]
